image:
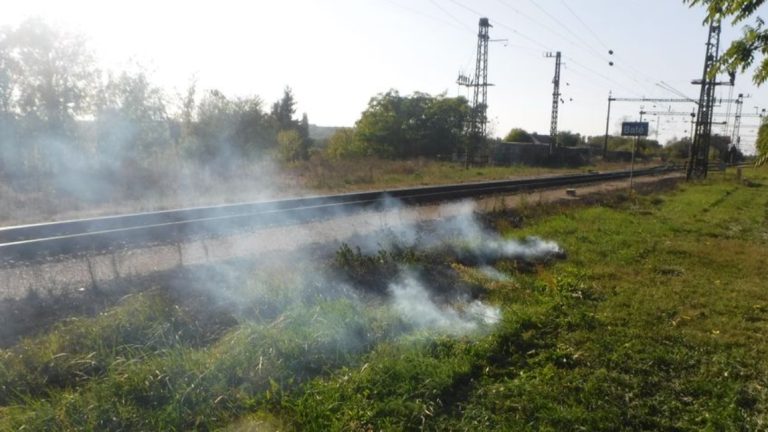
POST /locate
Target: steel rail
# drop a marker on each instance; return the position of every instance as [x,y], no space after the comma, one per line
[29,242]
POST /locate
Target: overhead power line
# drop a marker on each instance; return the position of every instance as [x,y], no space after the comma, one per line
[426,15]
[568,29]
[603,76]
[581,43]
[501,24]
[589,29]
[669,88]
[545,47]
[620,63]
[453,17]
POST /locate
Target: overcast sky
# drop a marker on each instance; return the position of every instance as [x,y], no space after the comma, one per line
[337,54]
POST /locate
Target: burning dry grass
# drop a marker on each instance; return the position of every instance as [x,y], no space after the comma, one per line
[193,356]
[607,339]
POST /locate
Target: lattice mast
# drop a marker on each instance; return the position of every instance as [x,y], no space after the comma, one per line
[735,138]
[478,119]
[480,98]
[555,101]
[699,154]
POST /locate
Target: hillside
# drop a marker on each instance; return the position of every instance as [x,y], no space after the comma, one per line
[320,133]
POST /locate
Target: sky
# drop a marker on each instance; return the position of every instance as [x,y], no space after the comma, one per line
[337,54]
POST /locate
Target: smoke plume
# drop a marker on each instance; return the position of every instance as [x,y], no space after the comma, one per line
[411,300]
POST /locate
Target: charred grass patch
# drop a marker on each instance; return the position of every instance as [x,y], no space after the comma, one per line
[191,355]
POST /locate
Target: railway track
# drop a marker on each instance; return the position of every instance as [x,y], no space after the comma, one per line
[39,241]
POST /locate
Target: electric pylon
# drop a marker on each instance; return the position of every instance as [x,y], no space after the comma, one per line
[735,138]
[555,101]
[699,156]
[478,118]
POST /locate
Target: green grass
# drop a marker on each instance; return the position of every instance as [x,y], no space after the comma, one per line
[655,321]
[366,174]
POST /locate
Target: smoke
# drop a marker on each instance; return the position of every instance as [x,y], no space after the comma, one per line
[493,274]
[223,265]
[529,249]
[224,262]
[427,296]
[454,227]
[411,300]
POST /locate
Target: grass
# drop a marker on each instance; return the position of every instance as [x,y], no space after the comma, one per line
[189,186]
[655,321]
[365,174]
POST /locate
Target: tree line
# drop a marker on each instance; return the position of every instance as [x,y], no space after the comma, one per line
[60,114]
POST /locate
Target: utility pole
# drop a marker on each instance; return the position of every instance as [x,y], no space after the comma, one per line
[607,123]
[735,139]
[478,118]
[728,112]
[693,129]
[555,100]
[698,160]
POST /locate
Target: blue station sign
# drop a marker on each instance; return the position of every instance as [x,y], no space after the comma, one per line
[634,129]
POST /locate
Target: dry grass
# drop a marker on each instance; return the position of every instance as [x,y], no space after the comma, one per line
[191,186]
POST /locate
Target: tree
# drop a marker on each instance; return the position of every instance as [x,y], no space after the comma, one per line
[230,129]
[290,146]
[762,144]
[6,74]
[47,78]
[253,133]
[720,148]
[188,108]
[131,119]
[381,128]
[678,148]
[518,135]
[215,126]
[284,109]
[343,144]
[444,120]
[282,117]
[395,126]
[303,129]
[568,139]
[754,41]
[52,73]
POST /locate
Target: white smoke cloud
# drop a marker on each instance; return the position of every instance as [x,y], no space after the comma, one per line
[411,300]
[492,273]
[453,225]
[532,248]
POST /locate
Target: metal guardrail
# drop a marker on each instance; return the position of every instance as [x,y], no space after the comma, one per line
[30,242]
